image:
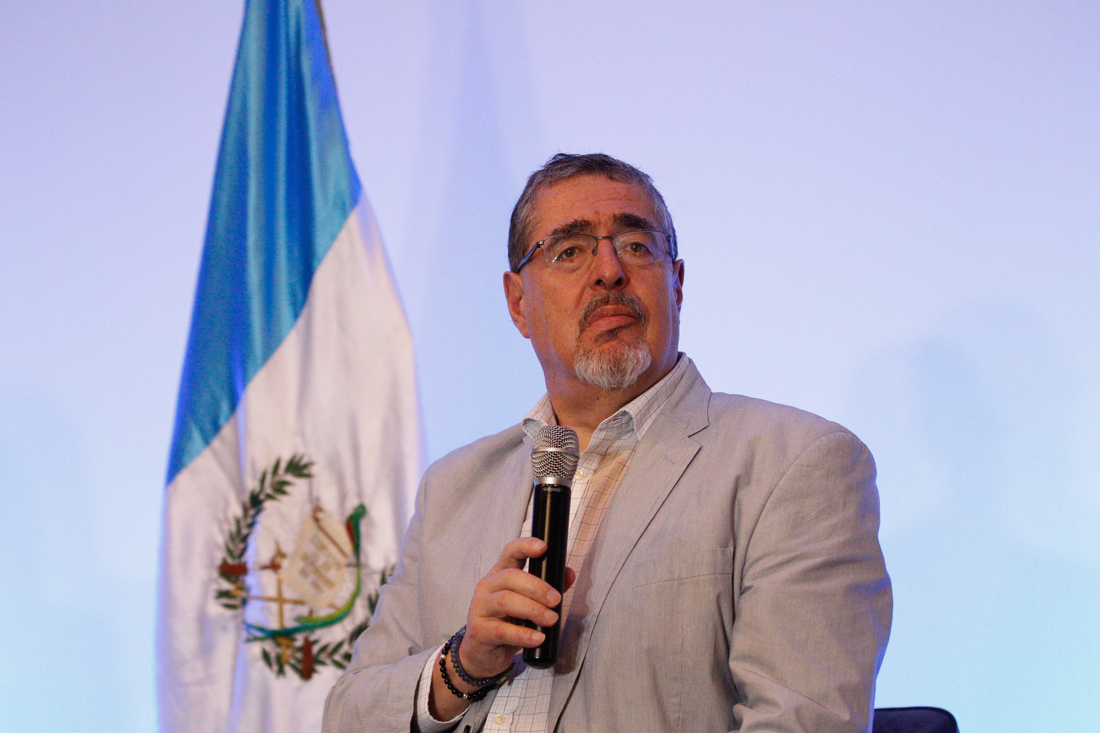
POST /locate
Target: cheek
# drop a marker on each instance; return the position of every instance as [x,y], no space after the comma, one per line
[553,318]
[665,314]
[541,323]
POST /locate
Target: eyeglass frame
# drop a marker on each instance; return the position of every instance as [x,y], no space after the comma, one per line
[531,252]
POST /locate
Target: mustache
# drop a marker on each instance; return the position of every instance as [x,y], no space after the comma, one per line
[626,300]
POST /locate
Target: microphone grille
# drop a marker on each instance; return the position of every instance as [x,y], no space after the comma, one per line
[555,452]
[550,437]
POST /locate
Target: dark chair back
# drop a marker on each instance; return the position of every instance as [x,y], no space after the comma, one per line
[914,720]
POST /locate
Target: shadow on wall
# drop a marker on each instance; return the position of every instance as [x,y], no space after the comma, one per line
[477,374]
[989,537]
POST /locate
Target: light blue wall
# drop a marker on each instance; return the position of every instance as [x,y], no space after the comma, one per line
[890,215]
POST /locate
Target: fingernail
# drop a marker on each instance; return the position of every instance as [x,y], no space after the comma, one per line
[553,598]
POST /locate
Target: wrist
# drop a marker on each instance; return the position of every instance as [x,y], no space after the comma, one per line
[450,674]
[443,704]
[460,684]
[473,679]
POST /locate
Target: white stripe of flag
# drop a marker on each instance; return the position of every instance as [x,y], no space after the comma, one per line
[298,345]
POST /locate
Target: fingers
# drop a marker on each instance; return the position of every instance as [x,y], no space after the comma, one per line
[494,629]
[505,598]
[513,593]
[570,578]
[516,552]
[493,636]
[509,591]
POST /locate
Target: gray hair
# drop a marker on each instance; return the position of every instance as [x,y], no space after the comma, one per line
[564,166]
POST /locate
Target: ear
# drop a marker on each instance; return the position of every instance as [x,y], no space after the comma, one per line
[514,294]
[678,281]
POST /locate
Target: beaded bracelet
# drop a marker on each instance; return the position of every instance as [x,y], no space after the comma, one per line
[485,685]
[456,640]
[473,696]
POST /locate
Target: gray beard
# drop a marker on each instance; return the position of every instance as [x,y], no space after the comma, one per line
[615,368]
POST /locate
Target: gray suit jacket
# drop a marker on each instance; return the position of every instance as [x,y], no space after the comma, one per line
[736,582]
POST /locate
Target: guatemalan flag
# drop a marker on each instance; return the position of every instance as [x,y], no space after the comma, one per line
[297,446]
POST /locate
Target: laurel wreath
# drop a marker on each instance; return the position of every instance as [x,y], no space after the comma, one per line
[284,652]
[272,485]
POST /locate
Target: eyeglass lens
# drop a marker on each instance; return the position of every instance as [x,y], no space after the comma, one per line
[574,250]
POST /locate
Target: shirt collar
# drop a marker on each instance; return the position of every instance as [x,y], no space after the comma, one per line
[636,415]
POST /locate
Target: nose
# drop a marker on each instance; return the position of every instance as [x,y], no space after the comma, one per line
[607,270]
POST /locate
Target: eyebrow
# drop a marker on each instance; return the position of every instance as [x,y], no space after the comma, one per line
[584,226]
[623,221]
[633,221]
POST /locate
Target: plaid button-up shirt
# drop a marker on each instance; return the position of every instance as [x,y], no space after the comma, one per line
[522,705]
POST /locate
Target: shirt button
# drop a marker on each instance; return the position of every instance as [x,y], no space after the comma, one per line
[500,720]
[580,475]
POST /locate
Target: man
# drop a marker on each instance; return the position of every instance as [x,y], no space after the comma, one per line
[726,567]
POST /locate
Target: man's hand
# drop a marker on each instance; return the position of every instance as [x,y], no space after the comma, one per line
[503,599]
[495,633]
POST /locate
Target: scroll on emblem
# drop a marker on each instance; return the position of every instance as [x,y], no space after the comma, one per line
[318,567]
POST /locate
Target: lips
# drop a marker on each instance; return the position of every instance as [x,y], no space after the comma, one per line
[612,317]
[613,311]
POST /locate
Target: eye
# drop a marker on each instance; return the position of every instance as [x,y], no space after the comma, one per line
[566,254]
[567,249]
[636,246]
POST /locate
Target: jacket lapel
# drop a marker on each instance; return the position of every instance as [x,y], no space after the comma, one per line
[656,466]
[507,510]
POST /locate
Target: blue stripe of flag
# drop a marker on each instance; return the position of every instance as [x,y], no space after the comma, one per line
[284,187]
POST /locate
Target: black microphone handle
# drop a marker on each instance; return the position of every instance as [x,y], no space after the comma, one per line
[550,523]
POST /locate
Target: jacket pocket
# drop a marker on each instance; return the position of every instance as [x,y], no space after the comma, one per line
[677,567]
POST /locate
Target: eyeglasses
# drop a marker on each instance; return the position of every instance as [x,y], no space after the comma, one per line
[574,251]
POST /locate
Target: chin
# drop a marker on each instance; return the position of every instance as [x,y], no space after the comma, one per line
[613,366]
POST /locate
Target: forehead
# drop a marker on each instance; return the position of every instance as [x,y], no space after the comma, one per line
[595,199]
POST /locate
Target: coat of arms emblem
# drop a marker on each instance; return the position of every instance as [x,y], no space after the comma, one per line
[289,598]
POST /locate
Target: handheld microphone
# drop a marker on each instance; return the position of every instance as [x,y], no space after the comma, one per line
[554,457]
